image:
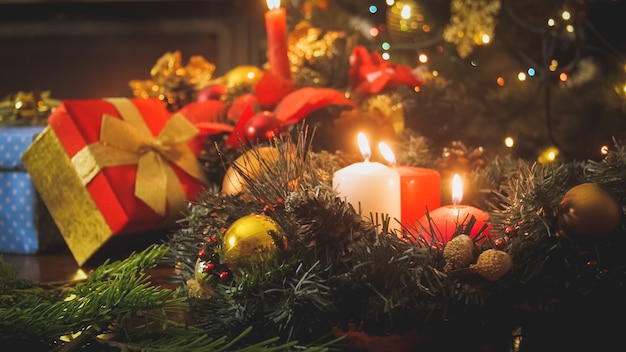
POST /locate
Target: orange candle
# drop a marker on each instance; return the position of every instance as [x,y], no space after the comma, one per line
[276,27]
[419,188]
[445,220]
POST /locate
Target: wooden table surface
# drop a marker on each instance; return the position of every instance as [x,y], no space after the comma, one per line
[60,267]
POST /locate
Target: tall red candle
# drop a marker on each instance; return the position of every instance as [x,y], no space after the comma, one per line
[445,220]
[419,188]
[276,27]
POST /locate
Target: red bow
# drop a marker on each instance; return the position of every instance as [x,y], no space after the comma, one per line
[370,74]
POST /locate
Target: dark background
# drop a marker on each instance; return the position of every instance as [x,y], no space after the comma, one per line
[85,49]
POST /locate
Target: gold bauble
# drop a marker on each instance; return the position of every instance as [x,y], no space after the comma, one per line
[241,75]
[250,240]
[248,165]
[589,210]
[404,21]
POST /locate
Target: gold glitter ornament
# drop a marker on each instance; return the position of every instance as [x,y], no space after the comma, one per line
[199,290]
[472,23]
[250,240]
[27,108]
[318,58]
[173,83]
[389,106]
[459,253]
[589,210]
[492,264]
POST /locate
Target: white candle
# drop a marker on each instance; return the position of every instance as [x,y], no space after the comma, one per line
[370,186]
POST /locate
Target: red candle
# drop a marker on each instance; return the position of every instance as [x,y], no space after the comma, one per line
[276,27]
[445,220]
[419,188]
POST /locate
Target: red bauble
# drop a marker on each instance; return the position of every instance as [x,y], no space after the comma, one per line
[263,125]
[212,92]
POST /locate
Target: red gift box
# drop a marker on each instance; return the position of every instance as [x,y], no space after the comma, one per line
[113,167]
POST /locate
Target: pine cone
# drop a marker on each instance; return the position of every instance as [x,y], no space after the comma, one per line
[460,157]
[492,264]
[323,226]
[458,253]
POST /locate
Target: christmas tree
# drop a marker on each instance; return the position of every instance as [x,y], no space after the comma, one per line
[547,75]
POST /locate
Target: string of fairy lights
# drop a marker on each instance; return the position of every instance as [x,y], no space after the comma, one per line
[472,24]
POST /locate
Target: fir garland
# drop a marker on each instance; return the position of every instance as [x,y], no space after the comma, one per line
[339,280]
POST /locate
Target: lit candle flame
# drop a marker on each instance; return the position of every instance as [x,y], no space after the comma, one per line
[387,153]
[273,4]
[364,146]
[457,189]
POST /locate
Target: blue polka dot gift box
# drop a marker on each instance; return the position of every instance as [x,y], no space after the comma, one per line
[26,226]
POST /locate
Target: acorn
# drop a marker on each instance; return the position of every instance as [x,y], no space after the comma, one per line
[492,264]
[459,252]
[588,210]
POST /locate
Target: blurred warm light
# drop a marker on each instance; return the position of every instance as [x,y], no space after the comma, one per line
[374,32]
[551,22]
[417,89]
[387,153]
[426,28]
[500,81]
[364,146]
[423,58]
[406,12]
[509,142]
[485,38]
[385,46]
[548,156]
[553,65]
[604,150]
[569,28]
[563,76]
[390,2]
[566,15]
[385,56]
[457,189]
[521,76]
[435,73]
[624,88]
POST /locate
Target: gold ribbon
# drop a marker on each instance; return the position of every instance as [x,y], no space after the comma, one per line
[128,141]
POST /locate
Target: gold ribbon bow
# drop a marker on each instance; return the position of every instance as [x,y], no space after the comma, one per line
[129,141]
